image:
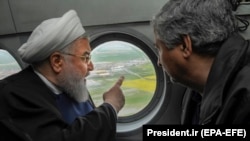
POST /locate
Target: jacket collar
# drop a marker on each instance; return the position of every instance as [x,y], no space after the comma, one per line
[226,63]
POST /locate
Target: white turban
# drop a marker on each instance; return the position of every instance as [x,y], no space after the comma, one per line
[50,36]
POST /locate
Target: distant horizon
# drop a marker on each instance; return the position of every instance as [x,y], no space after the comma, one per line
[115,58]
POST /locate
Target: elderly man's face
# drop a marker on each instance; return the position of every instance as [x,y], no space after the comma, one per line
[82,65]
[72,78]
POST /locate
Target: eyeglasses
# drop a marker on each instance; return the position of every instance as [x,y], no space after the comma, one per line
[85,58]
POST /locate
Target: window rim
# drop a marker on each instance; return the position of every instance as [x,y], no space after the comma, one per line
[140,41]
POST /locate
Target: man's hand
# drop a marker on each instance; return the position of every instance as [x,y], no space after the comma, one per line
[115,96]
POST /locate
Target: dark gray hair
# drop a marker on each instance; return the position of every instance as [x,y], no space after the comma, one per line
[207,22]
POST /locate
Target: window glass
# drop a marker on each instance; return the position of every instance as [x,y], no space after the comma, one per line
[8,65]
[114,58]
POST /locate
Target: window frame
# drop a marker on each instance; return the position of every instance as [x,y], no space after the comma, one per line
[14,55]
[133,123]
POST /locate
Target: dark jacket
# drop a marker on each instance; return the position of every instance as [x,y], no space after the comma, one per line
[30,106]
[226,98]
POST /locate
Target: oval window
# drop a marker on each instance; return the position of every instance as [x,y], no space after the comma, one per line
[123,51]
[8,64]
[115,58]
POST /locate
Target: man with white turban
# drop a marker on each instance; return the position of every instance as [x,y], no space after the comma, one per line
[49,100]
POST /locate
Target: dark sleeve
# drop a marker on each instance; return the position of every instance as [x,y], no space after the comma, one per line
[98,125]
[40,119]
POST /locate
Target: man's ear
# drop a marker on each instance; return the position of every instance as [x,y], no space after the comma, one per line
[186,46]
[56,62]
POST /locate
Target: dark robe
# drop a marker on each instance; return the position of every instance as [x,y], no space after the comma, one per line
[29,104]
[226,98]
[191,108]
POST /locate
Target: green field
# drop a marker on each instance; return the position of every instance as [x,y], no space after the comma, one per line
[138,88]
[140,79]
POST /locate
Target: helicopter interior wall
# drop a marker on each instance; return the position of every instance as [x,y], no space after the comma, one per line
[6,22]
[27,14]
[16,28]
[246,33]
[11,43]
[14,41]
[243,12]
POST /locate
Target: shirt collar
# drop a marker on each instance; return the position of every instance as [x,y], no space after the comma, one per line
[50,85]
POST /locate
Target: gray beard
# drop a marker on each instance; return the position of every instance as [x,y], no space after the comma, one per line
[74,85]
